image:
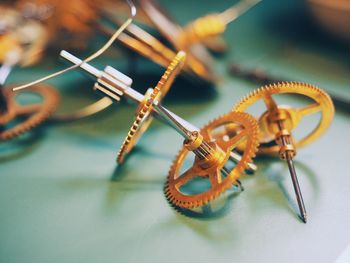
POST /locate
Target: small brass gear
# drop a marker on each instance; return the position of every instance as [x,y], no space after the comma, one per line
[246,132]
[35,113]
[143,114]
[291,116]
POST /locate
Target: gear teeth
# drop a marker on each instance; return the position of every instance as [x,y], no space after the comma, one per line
[301,88]
[143,117]
[50,102]
[278,87]
[174,196]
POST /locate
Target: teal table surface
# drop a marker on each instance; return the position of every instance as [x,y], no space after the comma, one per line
[64,199]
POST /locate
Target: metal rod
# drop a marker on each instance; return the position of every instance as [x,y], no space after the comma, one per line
[96,54]
[170,120]
[235,157]
[237,10]
[297,189]
[130,93]
[183,127]
[294,177]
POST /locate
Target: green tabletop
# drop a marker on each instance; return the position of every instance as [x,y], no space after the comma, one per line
[64,199]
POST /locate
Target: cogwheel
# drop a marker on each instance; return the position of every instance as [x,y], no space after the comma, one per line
[35,113]
[143,114]
[292,116]
[178,187]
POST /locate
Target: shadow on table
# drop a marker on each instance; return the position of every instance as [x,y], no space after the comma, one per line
[273,183]
[215,209]
[22,146]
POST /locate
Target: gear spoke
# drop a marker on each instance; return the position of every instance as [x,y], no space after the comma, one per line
[309,109]
[186,176]
[215,178]
[270,103]
[232,142]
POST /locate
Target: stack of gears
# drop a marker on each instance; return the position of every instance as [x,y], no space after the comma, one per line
[222,151]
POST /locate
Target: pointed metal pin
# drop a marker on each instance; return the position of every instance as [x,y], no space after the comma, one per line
[297,189]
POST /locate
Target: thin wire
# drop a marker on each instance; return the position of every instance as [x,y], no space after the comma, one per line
[133,12]
[237,10]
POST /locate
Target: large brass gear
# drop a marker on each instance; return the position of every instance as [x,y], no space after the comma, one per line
[291,116]
[35,113]
[143,114]
[246,130]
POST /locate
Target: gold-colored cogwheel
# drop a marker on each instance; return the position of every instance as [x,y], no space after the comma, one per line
[246,130]
[143,114]
[289,115]
[35,113]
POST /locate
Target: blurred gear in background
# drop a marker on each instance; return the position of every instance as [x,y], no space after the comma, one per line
[333,15]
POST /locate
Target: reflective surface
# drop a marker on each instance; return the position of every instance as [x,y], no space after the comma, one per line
[63,198]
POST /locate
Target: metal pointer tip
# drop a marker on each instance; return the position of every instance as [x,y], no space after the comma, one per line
[303,218]
[297,190]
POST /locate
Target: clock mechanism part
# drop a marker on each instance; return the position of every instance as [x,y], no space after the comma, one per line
[204,32]
[212,150]
[17,118]
[278,122]
[24,32]
[135,38]
[49,24]
[104,102]
[261,77]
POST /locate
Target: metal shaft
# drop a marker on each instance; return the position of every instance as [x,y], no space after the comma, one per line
[129,93]
[297,189]
[118,79]
[168,118]
[294,177]
[237,10]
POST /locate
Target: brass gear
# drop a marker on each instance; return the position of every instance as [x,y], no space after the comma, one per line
[143,114]
[35,113]
[246,130]
[292,116]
